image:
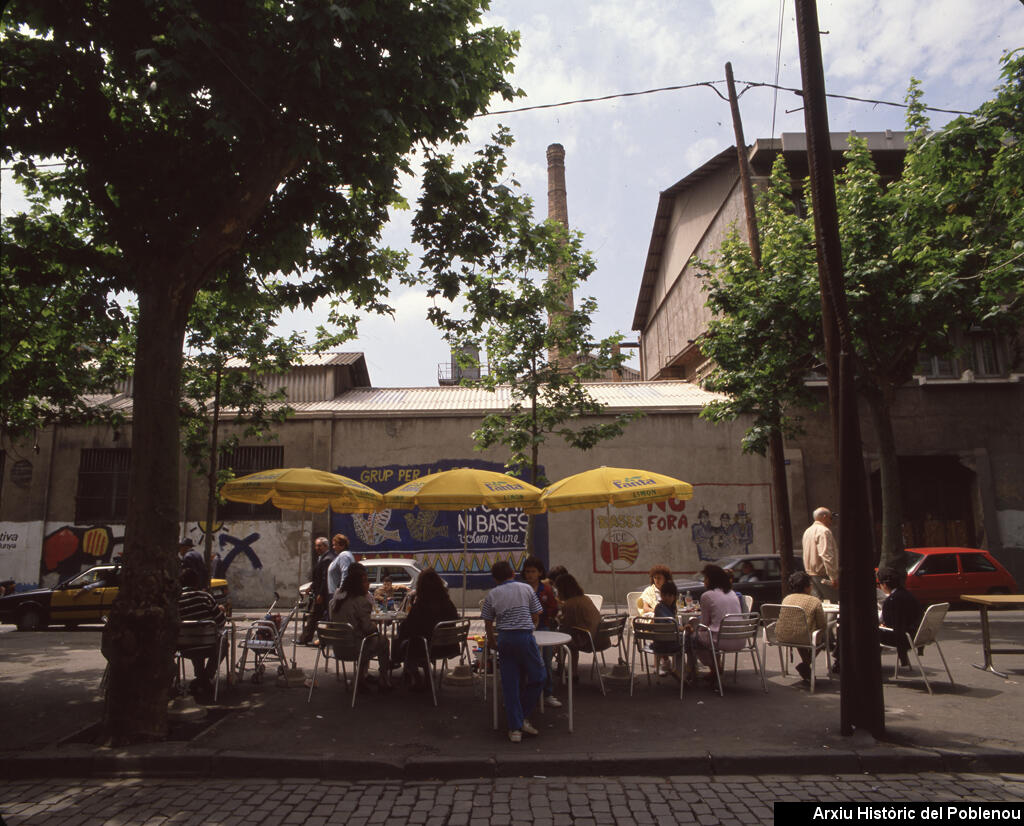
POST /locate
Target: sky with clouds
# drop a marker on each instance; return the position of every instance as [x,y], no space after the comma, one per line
[620,154]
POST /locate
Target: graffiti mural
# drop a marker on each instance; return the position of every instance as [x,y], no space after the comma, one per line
[721,520]
[436,538]
[70,548]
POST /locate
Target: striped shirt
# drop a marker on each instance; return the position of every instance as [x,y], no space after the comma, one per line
[199,605]
[511,606]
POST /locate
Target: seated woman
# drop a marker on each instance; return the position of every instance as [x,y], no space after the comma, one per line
[430,606]
[649,599]
[578,613]
[901,613]
[718,600]
[352,604]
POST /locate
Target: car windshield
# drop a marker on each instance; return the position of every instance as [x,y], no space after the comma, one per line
[912,559]
[731,562]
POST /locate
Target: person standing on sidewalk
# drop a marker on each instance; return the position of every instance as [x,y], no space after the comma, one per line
[821,556]
[338,569]
[319,593]
[512,609]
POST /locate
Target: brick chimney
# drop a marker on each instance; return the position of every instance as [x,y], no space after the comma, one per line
[558,210]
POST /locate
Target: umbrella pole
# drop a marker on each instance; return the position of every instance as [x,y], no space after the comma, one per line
[298,583]
[465,548]
[611,554]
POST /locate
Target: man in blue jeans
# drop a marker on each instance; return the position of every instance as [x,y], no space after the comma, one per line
[512,608]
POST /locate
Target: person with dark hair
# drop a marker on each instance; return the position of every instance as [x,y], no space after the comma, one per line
[666,608]
[431,605]
[901,613]
[352,604]
[512,609]
[717,600]
[788,630]
[534,576]
[192,559]
[554,573]
[578,615]
[649,599]
[319,595]
[197,604]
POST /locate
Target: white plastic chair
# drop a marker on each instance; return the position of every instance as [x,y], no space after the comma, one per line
[632,611]
[927,634]
[597,599]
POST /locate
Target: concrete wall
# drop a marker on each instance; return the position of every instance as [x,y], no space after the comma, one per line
[701,219]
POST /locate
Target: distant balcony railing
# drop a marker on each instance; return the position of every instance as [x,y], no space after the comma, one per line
[448,374]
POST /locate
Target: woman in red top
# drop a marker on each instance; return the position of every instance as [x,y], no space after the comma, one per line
[533,575]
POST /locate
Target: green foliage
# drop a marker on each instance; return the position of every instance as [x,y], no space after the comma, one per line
[224,329]
[766,331]
[491,249]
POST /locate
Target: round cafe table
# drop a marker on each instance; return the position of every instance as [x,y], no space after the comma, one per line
[545,639]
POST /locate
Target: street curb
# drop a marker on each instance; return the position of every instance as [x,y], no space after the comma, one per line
[236,764]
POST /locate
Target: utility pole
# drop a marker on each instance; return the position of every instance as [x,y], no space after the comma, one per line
[776,453]
[860,687]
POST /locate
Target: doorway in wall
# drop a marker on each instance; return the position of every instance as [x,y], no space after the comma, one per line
[938,494]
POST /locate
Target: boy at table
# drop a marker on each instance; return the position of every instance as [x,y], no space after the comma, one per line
[512,608]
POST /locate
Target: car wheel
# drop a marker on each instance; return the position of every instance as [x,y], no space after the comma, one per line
[31,619]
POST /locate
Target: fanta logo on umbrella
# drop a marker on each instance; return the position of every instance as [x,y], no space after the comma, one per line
[633,482]
[500,486]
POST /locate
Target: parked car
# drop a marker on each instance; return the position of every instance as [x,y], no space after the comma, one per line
[85,598]
[943,574]
[766,588]
[403,573]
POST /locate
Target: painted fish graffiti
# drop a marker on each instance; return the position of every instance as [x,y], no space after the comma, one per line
[371,528]
[422,527]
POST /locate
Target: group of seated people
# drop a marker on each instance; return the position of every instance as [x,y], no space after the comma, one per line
[718,599]
[429,604]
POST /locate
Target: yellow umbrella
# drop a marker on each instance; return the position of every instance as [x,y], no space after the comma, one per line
[302,489]
[609,486]
[461,489]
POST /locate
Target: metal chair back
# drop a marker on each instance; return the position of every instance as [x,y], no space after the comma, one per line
[649,632]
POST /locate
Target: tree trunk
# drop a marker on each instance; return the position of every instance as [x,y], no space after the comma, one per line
[141,632]
[211,476]
[779,483]
[891,554]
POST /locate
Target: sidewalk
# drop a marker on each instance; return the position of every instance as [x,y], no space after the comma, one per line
[49,690]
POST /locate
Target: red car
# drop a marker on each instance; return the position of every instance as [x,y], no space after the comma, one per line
[943,574]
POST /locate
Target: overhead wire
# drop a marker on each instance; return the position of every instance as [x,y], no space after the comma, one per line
[710,84]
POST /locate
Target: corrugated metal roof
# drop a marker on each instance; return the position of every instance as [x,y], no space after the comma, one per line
[310,360]
[455,400]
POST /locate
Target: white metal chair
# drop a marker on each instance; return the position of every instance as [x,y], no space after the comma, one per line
[341,641]
[610,631]
[794,617]
[449,639]
[735,627]
[649,632]
[927,634]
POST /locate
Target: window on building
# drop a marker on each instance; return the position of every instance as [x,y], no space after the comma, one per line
[102,485]
[246,460]
[983,351]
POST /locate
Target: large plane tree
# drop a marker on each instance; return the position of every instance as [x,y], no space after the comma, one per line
[181,141]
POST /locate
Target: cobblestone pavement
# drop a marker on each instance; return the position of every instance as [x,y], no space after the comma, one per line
[554,801]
